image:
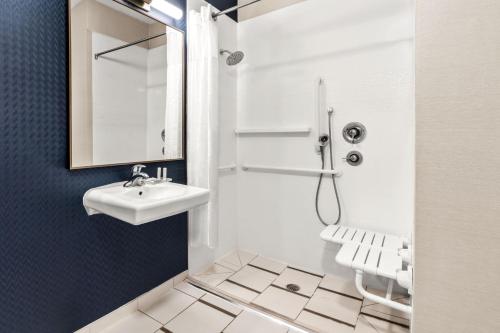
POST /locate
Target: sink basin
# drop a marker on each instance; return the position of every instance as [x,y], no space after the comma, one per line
[142,204]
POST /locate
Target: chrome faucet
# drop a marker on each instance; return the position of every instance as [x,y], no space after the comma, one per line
[138,177]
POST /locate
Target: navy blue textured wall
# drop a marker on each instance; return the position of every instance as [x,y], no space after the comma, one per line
[60,269]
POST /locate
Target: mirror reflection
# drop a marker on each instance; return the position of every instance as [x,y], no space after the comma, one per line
[126,86]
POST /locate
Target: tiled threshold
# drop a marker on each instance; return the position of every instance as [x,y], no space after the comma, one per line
[313,302]
[177,306]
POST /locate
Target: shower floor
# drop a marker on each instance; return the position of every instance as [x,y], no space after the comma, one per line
[313,302]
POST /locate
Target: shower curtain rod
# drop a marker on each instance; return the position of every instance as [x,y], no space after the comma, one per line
[97,55]
[232,9]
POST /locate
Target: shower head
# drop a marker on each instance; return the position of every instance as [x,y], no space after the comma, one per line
[234,58]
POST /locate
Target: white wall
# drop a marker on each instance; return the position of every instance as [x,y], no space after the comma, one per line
[119,119]
[363,50]
[262,7]
[156,100]
[201,257]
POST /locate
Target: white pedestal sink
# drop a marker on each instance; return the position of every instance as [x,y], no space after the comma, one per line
[142,204]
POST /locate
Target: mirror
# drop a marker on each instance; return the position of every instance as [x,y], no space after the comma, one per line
[127,86]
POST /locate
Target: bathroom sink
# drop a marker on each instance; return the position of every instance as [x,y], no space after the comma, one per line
[142,204]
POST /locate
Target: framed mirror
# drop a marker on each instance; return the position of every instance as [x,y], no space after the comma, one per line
[126,86]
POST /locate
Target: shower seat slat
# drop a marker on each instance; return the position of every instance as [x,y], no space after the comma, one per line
[359,236]
[349,235]
[390,262]
[368,239]
[378,239]
[393,242]
[337,238]
[360,258]
[346,254]
[372,261]
[328,232]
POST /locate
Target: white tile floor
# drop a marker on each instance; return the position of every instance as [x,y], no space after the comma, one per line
[133,323]
[199,318]
[322,324]
[168,306]
[308,283]
[249,322]
[185,309]
[215,275]
[270,265]
[282,302]
[263,304]
[253,278]
[322,304]
[332,305]
[244,294]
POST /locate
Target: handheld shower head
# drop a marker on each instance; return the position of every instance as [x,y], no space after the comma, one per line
[234,58]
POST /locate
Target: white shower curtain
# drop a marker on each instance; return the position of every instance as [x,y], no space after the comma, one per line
[202,124]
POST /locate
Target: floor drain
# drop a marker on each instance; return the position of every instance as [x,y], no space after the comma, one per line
[293,287]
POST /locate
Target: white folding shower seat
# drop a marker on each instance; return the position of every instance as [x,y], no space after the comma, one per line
[373,253]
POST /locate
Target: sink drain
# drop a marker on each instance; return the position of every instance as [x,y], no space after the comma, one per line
[293,287]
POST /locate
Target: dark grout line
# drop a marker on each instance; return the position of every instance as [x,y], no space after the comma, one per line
[217,308]
[263,269]
[341,294]
[392,322]
[177,315]
[232,320]
[251,305]
[232,270]
[393,299]
[382,313]
[328,317]
[243,286]
[306,272]
[163,329]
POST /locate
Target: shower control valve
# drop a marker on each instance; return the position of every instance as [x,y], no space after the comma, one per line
[354,158]
[354,132]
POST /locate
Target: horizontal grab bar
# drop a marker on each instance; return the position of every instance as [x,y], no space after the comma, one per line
[231,167]
[243,131]
[289,170]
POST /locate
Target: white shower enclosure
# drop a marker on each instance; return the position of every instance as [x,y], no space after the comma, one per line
[364,53]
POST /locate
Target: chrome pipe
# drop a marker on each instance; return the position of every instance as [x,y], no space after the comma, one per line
[232,9]
[97,55]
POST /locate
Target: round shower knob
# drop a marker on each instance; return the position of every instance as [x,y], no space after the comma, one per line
[354,158]
[354,132]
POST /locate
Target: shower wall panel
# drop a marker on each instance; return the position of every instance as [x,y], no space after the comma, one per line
[364,52]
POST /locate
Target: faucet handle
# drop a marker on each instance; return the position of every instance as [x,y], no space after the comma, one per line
[136,169]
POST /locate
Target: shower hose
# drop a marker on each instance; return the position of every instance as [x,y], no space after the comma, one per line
[322,150]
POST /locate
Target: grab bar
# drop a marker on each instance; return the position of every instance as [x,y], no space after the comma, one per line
[261,131]
[231,167]
[289,170]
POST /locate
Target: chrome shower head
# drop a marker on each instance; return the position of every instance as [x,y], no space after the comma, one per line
[234,58]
